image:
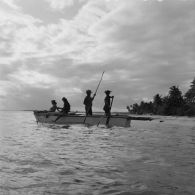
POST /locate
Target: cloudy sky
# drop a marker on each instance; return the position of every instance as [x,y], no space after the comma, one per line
[55,48]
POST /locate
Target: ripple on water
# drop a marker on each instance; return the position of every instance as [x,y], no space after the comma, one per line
[150,158]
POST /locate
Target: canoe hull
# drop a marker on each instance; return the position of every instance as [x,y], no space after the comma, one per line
[50,117]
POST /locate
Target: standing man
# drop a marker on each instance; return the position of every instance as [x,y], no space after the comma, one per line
[108,102]
[88,102]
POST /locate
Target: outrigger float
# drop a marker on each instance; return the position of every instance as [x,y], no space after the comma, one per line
[79,118]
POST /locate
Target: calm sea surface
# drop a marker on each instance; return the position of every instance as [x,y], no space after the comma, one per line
[149,158]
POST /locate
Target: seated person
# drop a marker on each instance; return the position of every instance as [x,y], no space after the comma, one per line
[54,106]
[66,107]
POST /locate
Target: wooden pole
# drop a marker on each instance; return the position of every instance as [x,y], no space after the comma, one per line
[94,95]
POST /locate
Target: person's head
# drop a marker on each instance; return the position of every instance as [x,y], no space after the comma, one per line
[107,92]
[88,92]
[53,102]
[64,99]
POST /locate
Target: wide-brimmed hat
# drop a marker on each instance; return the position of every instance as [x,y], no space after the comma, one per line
[107,91]
[88,91]
[53,102]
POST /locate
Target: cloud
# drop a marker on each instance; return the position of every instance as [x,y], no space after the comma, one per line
[60,4]
[8,90]
[9,4]
[33,78]
[144,47]
[12,20]
[149,34]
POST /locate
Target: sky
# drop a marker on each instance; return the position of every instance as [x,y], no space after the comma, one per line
[51,49]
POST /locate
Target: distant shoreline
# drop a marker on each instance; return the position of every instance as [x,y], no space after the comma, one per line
[15,110]
[122,113]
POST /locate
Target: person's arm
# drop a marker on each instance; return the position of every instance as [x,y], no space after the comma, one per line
[58,109]
[111,97]
[93,96]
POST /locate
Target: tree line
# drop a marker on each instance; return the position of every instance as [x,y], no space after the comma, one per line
[175,103]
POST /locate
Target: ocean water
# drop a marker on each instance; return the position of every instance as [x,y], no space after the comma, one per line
[149,158]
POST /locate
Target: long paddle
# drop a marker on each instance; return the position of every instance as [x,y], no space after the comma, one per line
[99,82]
[94,95]
[108,119]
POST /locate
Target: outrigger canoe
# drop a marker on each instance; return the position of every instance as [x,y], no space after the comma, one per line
[74,118]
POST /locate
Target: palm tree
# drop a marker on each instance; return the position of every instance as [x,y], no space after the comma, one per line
[190,94]
[174,101]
